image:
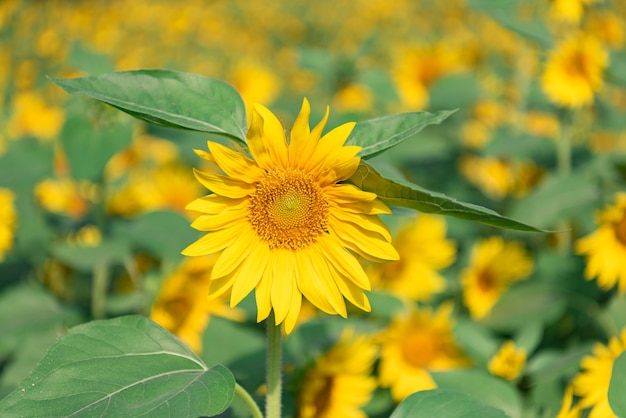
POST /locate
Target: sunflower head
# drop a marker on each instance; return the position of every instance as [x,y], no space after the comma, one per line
[284,224]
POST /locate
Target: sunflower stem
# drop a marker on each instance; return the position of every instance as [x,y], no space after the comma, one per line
[249,401]
[99,291]
[274,366]
[564,167]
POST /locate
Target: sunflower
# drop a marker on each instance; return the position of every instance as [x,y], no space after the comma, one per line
[413,346]
[605,248]
[567,410]
[495,264]
[592,383]
[8,216]
[182,306]
[284,224]
[508,362]
[423,250]
[339,383]
[574,70]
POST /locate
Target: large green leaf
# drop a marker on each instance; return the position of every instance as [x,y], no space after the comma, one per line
[88,149]
[617,387]
[377,135]
[409,195]
[168,98]
[444,403]
[489,389]
[123,367]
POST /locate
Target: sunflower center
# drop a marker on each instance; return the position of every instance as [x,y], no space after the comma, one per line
[620,230]
[486,281]
[420,349]
[288,210]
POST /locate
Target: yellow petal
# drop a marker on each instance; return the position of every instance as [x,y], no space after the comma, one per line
[317,284]
[282,283]
[344,262]
[354,294]
[294,312]
[366,243]
[263,293]
[236,164]
[220,286]
[269,148]
[250,273]
[219,221]
[370,223]
[214,204]
[370,207]
[215,241]
[300,132]
[234,255]
[339,166]
[224,186]
[348,193]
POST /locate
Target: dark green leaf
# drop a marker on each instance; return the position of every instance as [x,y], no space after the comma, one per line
[123,367]
[489,389]
[444,403]
[88,149]
[377,135]
[408,195]
[617,387]
[86,258]
[168,98]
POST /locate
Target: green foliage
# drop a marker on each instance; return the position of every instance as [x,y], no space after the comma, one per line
[444,403]
[168,98]
[405,194]
[128,366]
[617,387]
[378,135]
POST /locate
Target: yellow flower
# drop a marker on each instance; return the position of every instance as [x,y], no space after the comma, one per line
[495,177]
[495,264]
[608,27]
[508,362]
[419,67]
[566,410]
[605,248]
[592,383]
[423,250]
[573,72]
[255,83]
[183,307]
[568,10]
[283,223]
[65,196]
[339,383]
[33,116]
[353,97]
[8,221]
[415,345]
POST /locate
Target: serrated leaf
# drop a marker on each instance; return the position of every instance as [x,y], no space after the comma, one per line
[409,195]
[379,134]
[168,98]
[122,367]
[617,386]
[444,403]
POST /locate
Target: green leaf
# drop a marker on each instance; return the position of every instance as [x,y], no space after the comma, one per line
[161,233]
[88,149]
[109,251]
[168,98]
[617,387]
[123,367]
[409,195]
[444,403]
[489,389]
[379,134]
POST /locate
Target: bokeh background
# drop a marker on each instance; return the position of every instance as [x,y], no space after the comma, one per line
[92,216]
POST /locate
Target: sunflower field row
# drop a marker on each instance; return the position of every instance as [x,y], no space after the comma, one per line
[524,113]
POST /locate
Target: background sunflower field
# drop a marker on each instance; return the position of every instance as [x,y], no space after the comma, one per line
[92,202]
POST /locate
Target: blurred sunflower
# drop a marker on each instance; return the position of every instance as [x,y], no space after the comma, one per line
[573,72]
[413,346]
[284,225]
[66,196]
[567,411]
[605,248]
[423,250]
[339,383]
[508,362]
[33,116]
[8,221]
[568,10]
[592,383]
[495,264]
[182,306]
